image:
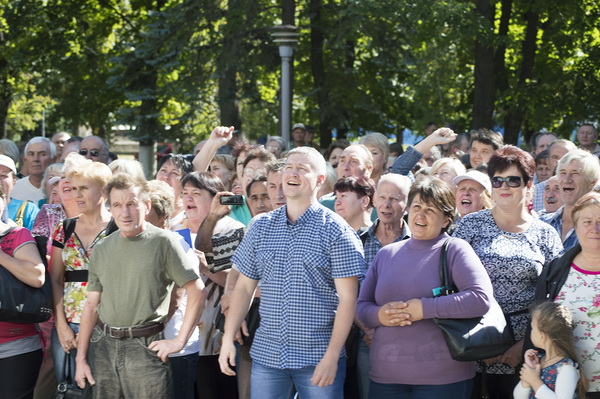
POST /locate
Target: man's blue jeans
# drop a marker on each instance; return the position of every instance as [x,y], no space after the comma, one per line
[127,368]
[271,383]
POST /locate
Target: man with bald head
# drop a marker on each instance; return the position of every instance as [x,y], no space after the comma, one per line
[94,148]
[356,160]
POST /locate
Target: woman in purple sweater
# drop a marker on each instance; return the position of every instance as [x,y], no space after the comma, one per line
[409,356]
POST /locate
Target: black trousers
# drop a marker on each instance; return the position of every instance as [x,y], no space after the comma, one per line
[18,375]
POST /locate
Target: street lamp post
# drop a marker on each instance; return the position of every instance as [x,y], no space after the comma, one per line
[285,37]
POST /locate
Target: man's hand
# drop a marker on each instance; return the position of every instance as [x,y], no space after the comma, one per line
[227,357]
[83,373]
[393,314]
[325,372]
[165,347]
[443,135]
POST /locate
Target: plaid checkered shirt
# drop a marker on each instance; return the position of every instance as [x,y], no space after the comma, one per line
[297,264]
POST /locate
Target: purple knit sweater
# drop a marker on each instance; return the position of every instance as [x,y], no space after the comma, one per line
[417,354]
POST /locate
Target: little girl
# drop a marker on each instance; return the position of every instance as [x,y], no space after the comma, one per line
[555,373]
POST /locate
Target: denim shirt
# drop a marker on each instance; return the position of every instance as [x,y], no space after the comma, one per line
[555,220]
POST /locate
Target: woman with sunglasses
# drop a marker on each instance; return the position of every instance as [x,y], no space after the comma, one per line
[513,247]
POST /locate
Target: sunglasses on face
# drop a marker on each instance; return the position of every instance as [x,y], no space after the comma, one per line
[511,181]
[93,153]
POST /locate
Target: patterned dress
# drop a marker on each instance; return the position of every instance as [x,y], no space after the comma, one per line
[514,261]
[581,294]
[75,257]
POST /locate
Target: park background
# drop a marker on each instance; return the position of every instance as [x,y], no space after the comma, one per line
[170,70]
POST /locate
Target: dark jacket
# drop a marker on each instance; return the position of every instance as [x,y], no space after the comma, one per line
[554,275]
[550,282]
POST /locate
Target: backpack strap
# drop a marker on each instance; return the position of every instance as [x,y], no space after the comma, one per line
[68,229]
[20,215]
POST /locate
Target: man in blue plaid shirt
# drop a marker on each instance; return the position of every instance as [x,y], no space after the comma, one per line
[308,260]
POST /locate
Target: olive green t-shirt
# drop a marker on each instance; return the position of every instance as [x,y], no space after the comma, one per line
[136,275]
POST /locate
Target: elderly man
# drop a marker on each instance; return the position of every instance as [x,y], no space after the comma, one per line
[131,276]
[39,153]
[389,227]
[94,148]
[543,140]
[587,136]
[59,139]
[308,261]
[578,172]
[556,150]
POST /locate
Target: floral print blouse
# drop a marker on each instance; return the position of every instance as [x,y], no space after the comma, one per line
[74,257]
[581,294]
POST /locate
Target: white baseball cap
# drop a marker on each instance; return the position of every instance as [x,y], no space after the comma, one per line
[476,176]
[8,162]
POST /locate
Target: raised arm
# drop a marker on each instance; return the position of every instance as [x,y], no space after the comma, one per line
[219,137]
[405,162]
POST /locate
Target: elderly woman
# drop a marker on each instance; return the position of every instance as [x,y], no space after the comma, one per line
[171,170]
[354,201]
[513,247]
[447,169]
[20,343]
[574,281]
[377,144]
[222,235]
[409,356]
[69,258]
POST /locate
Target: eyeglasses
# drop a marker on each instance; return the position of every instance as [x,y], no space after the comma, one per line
[273,148]
[511,181]
[93,153]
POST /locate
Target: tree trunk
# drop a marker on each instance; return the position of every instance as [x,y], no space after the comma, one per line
[485,83]
[317,65]
[516,109]
[499,60]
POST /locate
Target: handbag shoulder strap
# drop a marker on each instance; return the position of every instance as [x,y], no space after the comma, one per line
[447,285]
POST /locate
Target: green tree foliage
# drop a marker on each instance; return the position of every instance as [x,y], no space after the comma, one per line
[173,69]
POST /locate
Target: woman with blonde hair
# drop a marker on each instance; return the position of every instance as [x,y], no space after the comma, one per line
[72,244]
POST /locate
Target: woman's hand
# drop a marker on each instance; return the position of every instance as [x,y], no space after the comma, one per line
[512,357]
[392,314]
[66,337]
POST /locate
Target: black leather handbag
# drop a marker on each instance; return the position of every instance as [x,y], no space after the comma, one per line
[67,389]
[476,338]
[21,303]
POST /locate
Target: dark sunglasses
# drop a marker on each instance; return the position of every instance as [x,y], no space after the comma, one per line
[511,181]
[93,153]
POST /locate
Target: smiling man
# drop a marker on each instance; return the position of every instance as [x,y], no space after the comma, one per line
[578,172]
[131,275]
[308,261]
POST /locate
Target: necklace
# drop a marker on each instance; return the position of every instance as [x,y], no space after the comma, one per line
[547,362]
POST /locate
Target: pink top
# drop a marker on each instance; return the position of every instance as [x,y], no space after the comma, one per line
[14,331]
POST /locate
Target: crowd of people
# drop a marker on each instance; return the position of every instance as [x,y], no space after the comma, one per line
[275,270]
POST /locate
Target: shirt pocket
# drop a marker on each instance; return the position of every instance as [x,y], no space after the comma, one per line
[266,264]
[317,270]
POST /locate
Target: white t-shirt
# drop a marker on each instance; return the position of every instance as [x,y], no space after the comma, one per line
[25,191]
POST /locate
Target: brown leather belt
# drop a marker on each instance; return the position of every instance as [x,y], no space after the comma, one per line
[131,332]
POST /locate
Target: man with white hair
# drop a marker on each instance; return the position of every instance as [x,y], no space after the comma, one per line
[39,153]
[578,172]
[308,260]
